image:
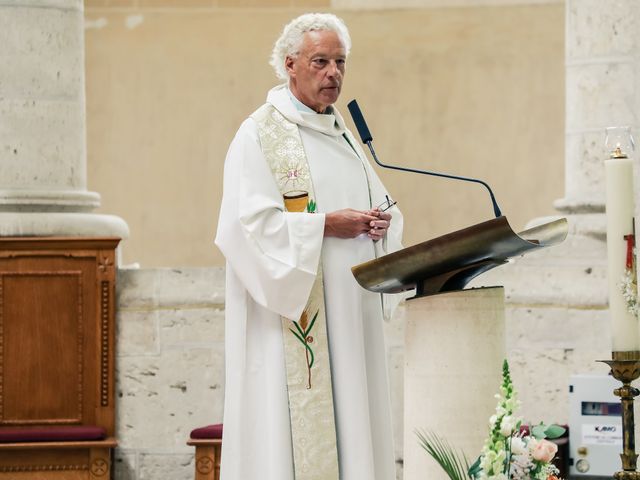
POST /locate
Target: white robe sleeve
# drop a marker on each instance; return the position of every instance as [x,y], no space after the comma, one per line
[392,241]
[274,253]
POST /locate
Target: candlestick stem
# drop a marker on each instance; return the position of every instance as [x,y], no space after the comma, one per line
[625,367]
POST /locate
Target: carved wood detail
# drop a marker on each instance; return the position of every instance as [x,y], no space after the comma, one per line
[105,264]
[99,467]
[104,342]
[205,465]
[77,417]
[41,468]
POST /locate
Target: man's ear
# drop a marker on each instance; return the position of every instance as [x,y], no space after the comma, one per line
[288,64]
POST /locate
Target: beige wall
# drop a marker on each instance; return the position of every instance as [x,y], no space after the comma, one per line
[476,91]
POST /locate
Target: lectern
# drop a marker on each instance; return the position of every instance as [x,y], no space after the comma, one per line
[454,337]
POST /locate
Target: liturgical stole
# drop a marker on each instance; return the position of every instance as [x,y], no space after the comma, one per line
[313,433]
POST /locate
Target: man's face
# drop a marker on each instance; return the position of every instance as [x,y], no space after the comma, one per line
[317,71]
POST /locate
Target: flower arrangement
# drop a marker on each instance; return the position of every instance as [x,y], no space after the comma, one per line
[630,292]
[511,452]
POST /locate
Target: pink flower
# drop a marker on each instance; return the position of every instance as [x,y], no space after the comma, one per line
[544,451]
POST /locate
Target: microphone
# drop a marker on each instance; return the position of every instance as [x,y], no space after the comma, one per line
[366,137]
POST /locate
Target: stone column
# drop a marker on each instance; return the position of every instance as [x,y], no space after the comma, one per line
[557,317]
[602,87]
[42,123]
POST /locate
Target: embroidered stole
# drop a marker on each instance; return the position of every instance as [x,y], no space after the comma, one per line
[315,453]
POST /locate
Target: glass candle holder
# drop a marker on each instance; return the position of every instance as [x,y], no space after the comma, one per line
[619,142]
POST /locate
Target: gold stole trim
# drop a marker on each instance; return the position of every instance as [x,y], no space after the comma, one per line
[313,433]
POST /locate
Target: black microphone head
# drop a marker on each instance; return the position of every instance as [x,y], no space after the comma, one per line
[358,119]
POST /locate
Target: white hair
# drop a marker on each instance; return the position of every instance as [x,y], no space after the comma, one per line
[290,41]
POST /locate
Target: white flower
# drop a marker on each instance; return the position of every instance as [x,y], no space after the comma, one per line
[507,426]
[629,291]
[518,446]
[521,466]
[486,464]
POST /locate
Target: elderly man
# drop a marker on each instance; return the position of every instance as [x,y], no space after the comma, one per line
[306,381]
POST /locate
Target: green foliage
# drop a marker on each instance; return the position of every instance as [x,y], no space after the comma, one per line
[476,468]
[311,206]
[302,335]
[507,453]
[454,464]
[547,431]
[555,431]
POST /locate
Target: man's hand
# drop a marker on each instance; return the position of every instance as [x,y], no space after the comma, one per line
[380,225]
[349,223]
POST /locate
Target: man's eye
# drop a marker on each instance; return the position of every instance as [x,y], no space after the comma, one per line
[319,61]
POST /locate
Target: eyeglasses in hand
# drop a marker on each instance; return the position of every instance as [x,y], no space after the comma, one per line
[387,204]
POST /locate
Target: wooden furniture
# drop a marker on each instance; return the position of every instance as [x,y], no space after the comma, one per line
[57,358]
[208,443]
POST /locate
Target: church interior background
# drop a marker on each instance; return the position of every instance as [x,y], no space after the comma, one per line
[516,92]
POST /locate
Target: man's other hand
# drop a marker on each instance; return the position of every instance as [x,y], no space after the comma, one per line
[349,223]
[380,225]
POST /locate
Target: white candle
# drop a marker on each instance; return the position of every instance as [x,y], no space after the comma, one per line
[620,211]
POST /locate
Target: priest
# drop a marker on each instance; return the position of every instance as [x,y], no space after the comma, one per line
[306,395]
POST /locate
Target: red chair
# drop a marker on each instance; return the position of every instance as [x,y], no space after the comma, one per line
[208,443]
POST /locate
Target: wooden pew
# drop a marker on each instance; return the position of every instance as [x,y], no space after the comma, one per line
[57,352]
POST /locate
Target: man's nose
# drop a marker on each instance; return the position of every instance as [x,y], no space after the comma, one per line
[334,70]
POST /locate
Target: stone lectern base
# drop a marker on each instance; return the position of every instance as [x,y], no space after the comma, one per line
[454,349]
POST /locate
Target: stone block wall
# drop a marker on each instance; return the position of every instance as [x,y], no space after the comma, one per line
[170,368]
[556,322]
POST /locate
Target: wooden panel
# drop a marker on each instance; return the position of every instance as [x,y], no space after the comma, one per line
[57,337]
[43,458]
[68,473]
[41,335]
[55,464]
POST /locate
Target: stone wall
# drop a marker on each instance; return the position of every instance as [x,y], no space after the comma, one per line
[556,321]
[170,368]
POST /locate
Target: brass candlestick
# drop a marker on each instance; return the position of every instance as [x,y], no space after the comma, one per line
[625,367]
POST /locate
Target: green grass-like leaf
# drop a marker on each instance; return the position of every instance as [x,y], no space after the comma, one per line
[312,357]
[454,463]
[476,468]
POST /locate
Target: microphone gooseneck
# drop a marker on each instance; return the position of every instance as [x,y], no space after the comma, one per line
[366,137]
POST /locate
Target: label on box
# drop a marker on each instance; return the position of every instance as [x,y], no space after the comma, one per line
[602,434]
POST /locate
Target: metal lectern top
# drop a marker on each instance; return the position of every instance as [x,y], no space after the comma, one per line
[451,261]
